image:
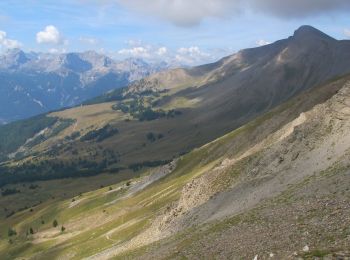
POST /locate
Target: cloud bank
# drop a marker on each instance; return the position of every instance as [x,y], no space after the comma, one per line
[7,43]
[182,12]
[300,8]
[192,12]
[187,56]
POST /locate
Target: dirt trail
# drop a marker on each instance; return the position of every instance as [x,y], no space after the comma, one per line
[144,182]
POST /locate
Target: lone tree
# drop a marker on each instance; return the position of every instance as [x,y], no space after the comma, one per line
[31,231]
[63,229]
[55,223]
[151,137]
[11,232]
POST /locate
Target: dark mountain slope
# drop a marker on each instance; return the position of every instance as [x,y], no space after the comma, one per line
[173,112]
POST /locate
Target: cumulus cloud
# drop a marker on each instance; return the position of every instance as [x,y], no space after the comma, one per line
[50,35]
[57,51]
[347,32]
[188,56]
[162,51]
[143,51]
[7,43]
[137,52]
[192,12]
[191,55]
[262,42]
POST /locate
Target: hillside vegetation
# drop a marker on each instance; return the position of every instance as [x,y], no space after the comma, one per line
[244,158]
[225,198]
[167,115]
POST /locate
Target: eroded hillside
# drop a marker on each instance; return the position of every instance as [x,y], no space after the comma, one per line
[275,187]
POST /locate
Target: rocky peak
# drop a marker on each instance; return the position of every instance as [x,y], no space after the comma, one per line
[306,32]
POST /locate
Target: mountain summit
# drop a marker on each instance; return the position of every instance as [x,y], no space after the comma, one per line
[307,32]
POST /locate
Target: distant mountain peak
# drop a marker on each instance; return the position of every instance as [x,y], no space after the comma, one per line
[307,31]
[13,58]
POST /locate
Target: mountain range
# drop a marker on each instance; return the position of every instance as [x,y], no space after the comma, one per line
[244,158]
[34,83]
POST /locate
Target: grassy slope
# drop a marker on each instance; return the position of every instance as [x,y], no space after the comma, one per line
[94,224]
[313,213]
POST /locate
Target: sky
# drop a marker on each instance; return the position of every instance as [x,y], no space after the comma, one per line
[189,32]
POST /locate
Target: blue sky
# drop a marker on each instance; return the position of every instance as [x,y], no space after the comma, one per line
[189,31]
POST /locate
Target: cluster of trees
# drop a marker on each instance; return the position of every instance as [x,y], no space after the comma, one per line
[33,186]
[9,191]
[12,232]
[73,136]
[100,134]
[138,166]
[149,114]
[94,162]
[138,110]
[152,137]
[50,169]
[55,224]
[123,94]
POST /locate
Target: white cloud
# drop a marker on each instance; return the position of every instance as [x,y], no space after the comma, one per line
[182,12]
[194,50]
[57,51]
[347,32]
[192,56]
[262,42]
[138,52]
[192,12]
[147,52]
[188,56]
[162,51]
[89,40]
[49,35]
[8,43]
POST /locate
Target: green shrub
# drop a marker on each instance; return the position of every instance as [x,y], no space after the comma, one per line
[8,192]
[11,232]
[100,134]
[55,223]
